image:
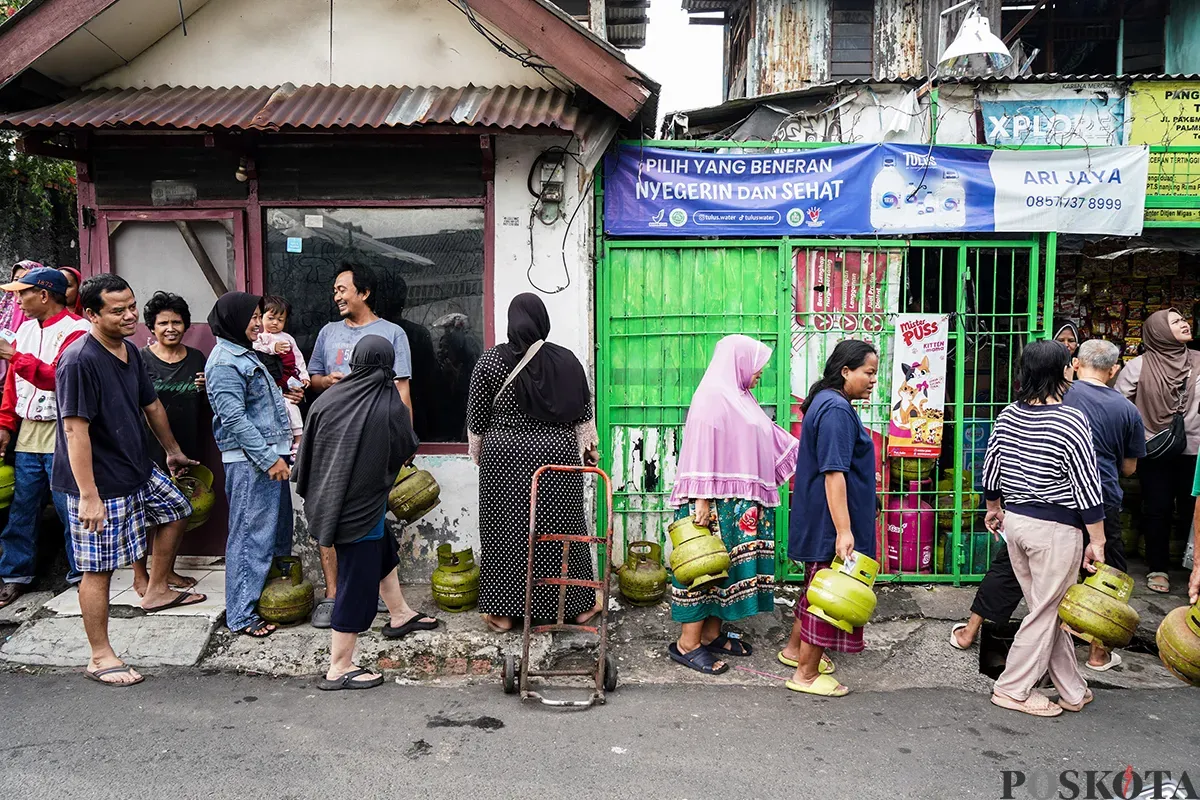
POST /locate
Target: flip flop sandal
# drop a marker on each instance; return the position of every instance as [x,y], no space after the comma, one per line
[11,593]
[1087,698]
[181,599]
[416,623]
[1037,705]
[826,667]
[1114,660]
[381,607]
[98,676]
[1158,582]
[823,686]
[322,616]
[954,639]
[347,681]
[699,659]
[736,646]
[260,631]
[188,582]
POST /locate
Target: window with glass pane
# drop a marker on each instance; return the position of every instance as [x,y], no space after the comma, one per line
[429,266]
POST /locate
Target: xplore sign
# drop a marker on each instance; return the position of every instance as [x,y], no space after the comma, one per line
[1093,115]
[1023,126]
[1125,783]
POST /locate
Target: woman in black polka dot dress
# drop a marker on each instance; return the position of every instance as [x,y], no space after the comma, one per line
[530,406]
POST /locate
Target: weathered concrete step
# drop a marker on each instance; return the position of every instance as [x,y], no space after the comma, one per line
[142,641]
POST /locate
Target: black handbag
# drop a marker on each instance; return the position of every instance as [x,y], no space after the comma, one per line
[1171,440]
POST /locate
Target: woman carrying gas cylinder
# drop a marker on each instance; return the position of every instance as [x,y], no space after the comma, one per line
[833,506]
[731,465]
[1041,463]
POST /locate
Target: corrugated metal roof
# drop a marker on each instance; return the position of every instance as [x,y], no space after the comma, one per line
[630,35]
[703,6]
[163,107]
[310,107]
[625,22]
[819,88]
[1041,77]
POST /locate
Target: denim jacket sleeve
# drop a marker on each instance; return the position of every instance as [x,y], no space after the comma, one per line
[227,393]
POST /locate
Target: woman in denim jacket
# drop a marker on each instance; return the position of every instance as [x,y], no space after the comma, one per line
[252,430]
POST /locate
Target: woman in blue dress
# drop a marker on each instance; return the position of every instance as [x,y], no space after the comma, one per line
[833,506]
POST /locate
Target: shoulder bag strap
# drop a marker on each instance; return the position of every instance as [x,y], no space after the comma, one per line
[1183,391]
[512,376]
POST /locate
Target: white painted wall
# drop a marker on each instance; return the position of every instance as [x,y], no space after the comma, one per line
[571,308]
[344,42]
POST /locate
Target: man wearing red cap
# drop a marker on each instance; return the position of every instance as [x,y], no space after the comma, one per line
[29,411]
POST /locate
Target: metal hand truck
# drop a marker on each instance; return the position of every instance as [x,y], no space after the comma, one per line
[516,670]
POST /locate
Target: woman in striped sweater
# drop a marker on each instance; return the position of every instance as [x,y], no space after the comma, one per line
[1041,462]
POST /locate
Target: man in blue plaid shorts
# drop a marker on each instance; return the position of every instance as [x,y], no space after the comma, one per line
[115,493]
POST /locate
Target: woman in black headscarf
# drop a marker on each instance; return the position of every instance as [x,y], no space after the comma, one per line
[359,434]
[530,406]
[254,435]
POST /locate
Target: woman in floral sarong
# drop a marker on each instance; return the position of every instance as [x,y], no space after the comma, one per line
[733,460]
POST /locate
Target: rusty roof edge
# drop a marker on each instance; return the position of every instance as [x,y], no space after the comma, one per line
[831,86]
[317,106]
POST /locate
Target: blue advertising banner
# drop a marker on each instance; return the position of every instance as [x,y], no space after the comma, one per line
[874,189]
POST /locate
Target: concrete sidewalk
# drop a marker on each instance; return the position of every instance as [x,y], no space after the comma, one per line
[907,643]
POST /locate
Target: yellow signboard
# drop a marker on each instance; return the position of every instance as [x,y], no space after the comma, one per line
[1167,113]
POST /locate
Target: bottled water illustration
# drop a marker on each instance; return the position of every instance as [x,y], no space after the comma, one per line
[912,205]
[887,200]
[951,202]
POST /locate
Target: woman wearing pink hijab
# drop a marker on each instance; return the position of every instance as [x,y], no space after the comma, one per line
[74,281]
[731,465]
[11,315]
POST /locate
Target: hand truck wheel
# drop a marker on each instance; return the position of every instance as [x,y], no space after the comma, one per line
[512,666]
[610,673]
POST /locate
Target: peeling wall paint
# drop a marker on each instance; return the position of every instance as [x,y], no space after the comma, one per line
[643,470]
[898,42]
[792,42]
[791,45]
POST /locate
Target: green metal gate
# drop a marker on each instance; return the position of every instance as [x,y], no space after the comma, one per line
[662,309]
[663,305]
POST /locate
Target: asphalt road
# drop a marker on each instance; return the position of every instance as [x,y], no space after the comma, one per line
[191,735]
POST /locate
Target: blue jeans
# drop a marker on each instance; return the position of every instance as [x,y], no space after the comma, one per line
[260,527]
[20,536]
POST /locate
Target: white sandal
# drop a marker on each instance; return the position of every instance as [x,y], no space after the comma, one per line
[1114,660]
[958,626]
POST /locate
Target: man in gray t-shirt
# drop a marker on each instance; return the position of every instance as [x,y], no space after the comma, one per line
[354,293]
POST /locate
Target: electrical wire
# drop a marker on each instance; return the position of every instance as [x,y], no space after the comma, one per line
[570,221]
[526,59]
[543,156]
